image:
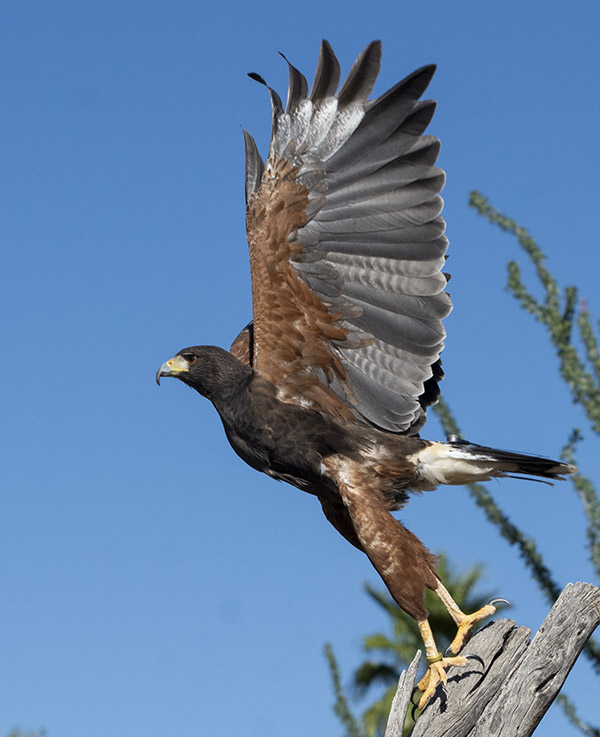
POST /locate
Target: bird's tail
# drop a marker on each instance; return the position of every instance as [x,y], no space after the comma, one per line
[461,462]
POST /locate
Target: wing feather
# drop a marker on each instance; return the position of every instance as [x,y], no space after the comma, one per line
[383,116]
[361,78]
[327,75]
[347,246]
[254,165]
[296,89]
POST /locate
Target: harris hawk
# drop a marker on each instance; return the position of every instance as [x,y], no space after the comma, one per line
[328,386]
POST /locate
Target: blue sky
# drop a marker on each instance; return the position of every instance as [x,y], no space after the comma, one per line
[151,583]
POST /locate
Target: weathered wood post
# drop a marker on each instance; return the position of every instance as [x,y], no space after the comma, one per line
[511,681]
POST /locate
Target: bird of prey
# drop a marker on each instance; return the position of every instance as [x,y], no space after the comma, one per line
[328,386]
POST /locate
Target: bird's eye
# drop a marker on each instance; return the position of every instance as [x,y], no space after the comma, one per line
[189,357]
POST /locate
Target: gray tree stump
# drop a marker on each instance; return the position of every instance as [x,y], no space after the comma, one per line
[510,682]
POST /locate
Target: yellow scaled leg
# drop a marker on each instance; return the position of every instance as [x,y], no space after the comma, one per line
[464,622]
[436,673]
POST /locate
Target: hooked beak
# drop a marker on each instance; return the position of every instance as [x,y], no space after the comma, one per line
[173,367]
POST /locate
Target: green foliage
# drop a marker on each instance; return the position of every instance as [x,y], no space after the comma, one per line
[589,498]
[574,718]
[341,707]
[559,312]
[579,366]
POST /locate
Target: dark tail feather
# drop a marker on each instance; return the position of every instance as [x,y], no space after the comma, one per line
[510,463]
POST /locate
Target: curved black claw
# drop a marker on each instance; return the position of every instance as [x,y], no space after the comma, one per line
[498,600]
[415,704]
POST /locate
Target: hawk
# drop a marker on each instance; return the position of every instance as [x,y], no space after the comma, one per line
[327,388]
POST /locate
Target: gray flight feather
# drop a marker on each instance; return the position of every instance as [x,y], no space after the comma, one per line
[362,76]
[373,246]
[327,75]
[297,87]
[254,165]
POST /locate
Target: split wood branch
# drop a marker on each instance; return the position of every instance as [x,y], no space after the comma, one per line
[511,681]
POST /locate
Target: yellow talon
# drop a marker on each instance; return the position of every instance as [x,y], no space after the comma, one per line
[436,674]
[465,625]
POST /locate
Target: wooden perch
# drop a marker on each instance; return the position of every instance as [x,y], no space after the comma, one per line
[510,682]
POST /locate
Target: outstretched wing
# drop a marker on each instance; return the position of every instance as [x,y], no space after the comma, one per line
[347,245]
